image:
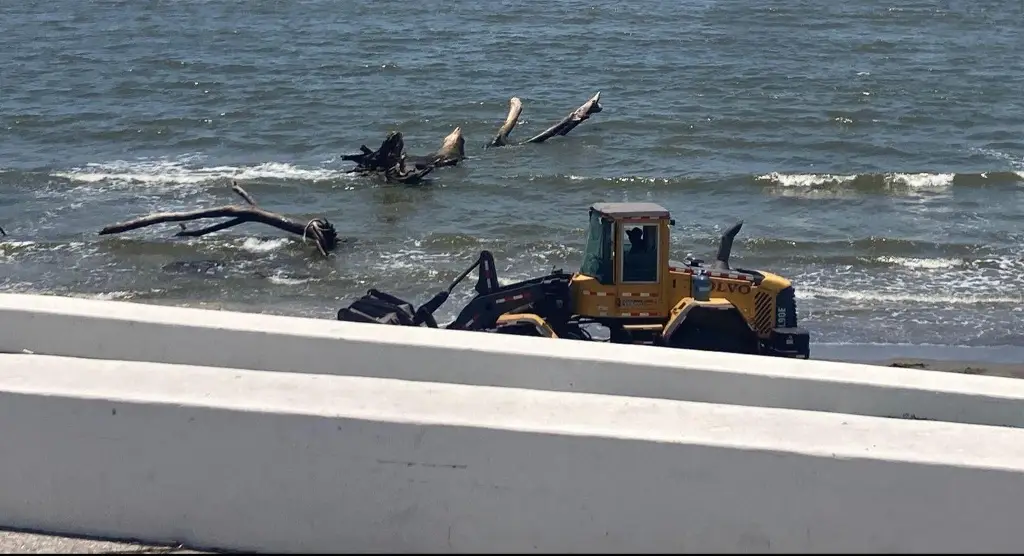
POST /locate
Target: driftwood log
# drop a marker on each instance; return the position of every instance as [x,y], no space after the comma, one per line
[563,127]
[319,230]
[392,161]
[451,152]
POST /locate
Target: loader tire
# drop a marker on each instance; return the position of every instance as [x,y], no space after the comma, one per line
[722,331]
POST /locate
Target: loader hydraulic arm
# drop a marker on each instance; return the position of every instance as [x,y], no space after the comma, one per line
[487,281]
[547,296]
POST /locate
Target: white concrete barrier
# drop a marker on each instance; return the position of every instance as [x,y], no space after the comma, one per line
[266,461]
[132,331]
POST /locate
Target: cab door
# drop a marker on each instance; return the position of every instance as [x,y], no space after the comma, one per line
[641,245]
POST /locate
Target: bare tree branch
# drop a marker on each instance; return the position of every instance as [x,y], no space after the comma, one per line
[319,229]
[568,123]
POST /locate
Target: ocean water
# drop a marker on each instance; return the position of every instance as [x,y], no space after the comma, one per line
[873,149]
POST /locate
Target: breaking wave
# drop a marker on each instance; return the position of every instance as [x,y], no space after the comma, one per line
[905,297]
[188,170]
[256,245]
[890,181]
[887,182]
[920,263]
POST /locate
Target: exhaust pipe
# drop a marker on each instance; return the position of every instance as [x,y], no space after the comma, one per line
[725,246]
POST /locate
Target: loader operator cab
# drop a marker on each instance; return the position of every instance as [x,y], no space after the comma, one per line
[625,243]
[625,256]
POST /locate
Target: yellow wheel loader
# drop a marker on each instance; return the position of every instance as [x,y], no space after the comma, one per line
[626,286]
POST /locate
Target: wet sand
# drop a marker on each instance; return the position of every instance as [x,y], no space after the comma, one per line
[1006,361]
[1009,370]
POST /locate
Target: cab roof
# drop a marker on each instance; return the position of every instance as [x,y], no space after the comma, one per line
[618,210]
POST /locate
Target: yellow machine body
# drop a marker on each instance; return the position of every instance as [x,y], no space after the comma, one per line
[627,278]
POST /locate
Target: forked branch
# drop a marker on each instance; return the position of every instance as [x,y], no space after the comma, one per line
[319,229]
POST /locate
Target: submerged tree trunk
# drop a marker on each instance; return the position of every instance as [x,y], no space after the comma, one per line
[320,230]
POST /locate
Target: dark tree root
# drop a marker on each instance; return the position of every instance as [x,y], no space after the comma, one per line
[319,229]
[391,160]
[563,127]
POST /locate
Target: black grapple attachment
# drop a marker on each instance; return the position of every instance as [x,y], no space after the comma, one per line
[383,308]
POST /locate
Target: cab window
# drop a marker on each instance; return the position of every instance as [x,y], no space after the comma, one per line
[639,253]
[597,254]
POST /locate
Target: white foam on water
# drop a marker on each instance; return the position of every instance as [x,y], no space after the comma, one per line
[107,296]
[186,171]
[813,292]
[897,179]
[620,179]
[1012,264]
[921,180]
[1014,160]
[10,248]
[16,243]
[115,295]
[256,245]
[282,280]
[917,263]
[806,180]
[417,260]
